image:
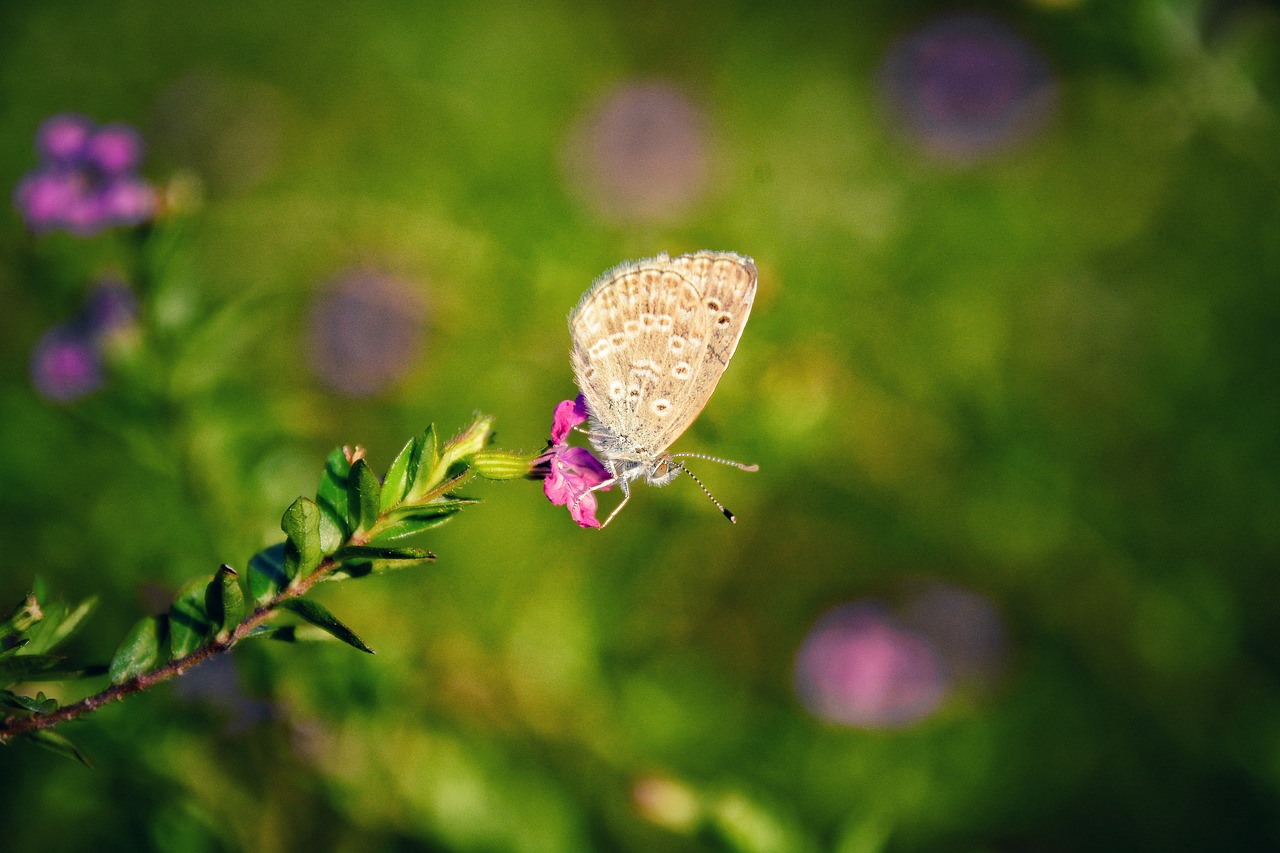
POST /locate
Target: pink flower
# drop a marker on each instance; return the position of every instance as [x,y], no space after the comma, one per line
[859,667]
[572,475]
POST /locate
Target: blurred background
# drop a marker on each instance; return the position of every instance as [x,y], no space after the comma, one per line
[1004,581]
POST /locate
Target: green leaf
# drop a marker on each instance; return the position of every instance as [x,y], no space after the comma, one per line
[335,525]
[317,615]
[375,552]
[293,634]
[358,561]
[25,667]
[411,520]
[139,651]
[501,464]
[189,622]
[267,576]
[301,523]
[366,496]
[224,601]
[459,451]
[59,744]
[398,477]
[39,704]
[422,467]
[72,622]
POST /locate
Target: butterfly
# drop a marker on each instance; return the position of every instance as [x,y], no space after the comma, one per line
[651,340]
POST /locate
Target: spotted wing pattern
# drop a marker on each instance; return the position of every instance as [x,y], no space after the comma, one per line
[651,340]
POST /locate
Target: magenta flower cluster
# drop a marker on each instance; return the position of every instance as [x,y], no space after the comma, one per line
[87,179]
[571,476]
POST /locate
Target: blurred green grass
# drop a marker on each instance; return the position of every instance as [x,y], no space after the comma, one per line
[1049,377]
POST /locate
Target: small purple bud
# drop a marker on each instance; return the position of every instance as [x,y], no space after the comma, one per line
[62,137]
[127,201]
[110,307]
[114,148]
[65,365]
[43,197]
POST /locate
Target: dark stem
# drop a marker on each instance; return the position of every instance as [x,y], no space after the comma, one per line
[14,726]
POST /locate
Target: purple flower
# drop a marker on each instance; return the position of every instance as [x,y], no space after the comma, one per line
[966,85]
[365,332]
[86,180]
[859,667]
[65,364]
[110,308]
[572,475]
[642,154]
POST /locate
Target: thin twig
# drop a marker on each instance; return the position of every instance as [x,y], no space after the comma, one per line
[14,726]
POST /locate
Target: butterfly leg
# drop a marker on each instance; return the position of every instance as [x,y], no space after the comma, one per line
[626,496]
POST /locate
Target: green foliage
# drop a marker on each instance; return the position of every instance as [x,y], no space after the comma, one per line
[267,574]
[58,744]
[224,601]
[140,650]
[317,615]
[189,622]
[327,539]
[365,498]
[333,499]
[30,637]
[1047,375]
[303,550]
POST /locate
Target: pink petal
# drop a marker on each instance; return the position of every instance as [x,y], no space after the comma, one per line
[568,414]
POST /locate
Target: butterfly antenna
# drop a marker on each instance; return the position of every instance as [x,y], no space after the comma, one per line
[733,518]
[741,466]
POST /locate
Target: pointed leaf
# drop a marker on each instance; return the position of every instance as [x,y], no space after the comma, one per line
[317,615]
[457,453]
[422,467]
[410,521]
[335,525]
[224,601]
[267,576]
[358,561]
[25,667]
[293,634]
[139,651]
[366,496]
[72,622]
[59,744]
[189,623]
[301,523]
[398,477]
[375,552]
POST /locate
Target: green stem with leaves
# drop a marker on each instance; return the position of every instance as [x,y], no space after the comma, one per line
[350,530]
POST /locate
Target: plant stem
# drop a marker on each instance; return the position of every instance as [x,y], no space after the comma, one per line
[14,726]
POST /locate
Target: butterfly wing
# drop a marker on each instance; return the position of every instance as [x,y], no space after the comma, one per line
[651,340]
